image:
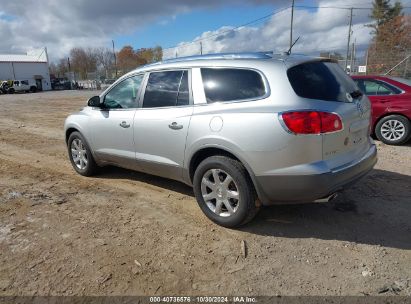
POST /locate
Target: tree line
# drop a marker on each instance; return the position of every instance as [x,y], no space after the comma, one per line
[103,62]
[391,41]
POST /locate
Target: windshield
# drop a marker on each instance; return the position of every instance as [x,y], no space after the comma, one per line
[322,80]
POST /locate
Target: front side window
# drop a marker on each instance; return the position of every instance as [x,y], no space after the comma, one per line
[166,89]
[125,94]
[232,84]
[25,82]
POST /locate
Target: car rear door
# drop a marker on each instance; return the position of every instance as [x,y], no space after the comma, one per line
[162,122]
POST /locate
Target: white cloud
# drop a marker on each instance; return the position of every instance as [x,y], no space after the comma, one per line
[61,25]
[324,29]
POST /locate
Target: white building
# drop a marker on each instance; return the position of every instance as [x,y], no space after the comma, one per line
[33,66]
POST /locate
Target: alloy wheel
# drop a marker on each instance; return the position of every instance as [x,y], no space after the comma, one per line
[392,130]
[79,154]
[220,192]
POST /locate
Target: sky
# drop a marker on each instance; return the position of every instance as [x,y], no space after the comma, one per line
[61,25]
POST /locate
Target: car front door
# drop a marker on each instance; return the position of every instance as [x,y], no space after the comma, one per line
[381,94]
[112,134]
[161,124]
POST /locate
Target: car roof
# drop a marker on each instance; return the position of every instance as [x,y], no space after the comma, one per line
[230,59]
[368,76]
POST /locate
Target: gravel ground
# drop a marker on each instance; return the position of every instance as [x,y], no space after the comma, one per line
[127,233]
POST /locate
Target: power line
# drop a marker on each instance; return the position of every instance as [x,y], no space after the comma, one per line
[230,30]
[266,17]
[340,7]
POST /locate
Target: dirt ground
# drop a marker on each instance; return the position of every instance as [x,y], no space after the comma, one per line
[126,233]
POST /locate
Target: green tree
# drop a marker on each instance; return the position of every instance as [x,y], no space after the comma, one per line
[129,59]
[384,12]
[391,36]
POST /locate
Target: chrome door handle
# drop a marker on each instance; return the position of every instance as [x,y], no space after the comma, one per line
[124,124]
[175,126]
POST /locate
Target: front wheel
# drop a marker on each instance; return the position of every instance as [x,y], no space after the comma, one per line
[225,192]
[80,155]
[393,130]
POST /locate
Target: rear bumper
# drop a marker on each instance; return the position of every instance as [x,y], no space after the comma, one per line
[287,189]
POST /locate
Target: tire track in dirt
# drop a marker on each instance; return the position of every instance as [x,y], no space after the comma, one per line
[50,133]
[154,194]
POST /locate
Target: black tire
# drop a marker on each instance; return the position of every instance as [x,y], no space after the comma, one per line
[10,91]
[247,205]
[33,89]
[401,120]
[91,167]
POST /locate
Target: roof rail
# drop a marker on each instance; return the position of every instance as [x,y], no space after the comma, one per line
[249,55]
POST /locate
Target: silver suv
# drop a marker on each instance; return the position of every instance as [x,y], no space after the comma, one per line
[244,130]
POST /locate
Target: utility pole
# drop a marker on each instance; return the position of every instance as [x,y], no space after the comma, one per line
[14,73]
[349,40]
[69,73]
[115,58]
[352,69]
[366,63]
[292,22]
[201,48]
[355,53]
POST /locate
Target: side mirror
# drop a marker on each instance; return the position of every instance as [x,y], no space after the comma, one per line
[94,102]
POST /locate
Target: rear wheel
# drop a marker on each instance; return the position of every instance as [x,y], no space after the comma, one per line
[393,130]
[33,89]
[80,155]
[225,192]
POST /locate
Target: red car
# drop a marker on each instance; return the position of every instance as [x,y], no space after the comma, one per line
[391,107]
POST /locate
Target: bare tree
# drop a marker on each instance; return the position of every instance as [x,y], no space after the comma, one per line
[105,60]
[83,61]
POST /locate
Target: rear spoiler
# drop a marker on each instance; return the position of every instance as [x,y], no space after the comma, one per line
[297,60]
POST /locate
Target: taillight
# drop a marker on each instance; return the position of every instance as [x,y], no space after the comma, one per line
[312,122]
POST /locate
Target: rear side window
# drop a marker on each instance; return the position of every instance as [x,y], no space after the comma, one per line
[321,80]
[166,89]
[375,87]
[232,84]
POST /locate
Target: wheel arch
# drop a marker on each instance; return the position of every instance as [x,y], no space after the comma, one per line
[69,131]
[209,151]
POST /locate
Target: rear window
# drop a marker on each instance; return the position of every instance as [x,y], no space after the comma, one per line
[232,84]
[321,80]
